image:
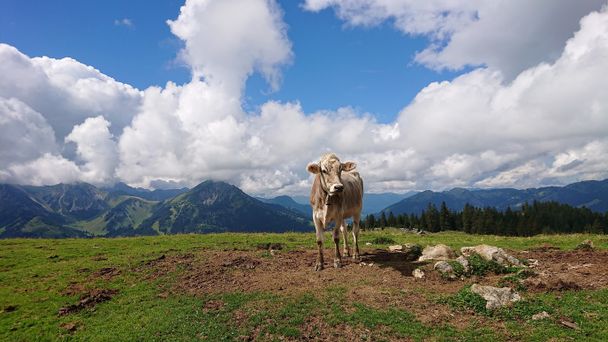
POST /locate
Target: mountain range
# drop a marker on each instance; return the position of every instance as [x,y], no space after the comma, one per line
[83,210]
[590,194]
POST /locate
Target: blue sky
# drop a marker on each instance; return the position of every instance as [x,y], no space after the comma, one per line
[368,68]
[508,93]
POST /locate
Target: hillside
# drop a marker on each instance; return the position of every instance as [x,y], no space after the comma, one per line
[80,210]
[218,206]
[289,203]
[591,194]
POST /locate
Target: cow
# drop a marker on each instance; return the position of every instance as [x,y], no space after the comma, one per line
[336,194]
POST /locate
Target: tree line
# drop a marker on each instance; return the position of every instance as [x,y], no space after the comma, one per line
[529,219]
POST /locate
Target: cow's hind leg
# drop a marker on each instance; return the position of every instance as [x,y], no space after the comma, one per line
[345,250]
[319,227]
[356,220]
[337,257]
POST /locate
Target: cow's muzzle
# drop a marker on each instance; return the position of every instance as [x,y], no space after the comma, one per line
[336,188]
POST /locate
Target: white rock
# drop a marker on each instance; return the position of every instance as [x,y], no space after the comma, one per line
[496,297]
[445,269]
[368,243]
[438,252]
[540,315]
[395,248]
[465,263]
[491,253]
[418,273]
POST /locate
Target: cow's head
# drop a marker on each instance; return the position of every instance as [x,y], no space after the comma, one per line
[329,169]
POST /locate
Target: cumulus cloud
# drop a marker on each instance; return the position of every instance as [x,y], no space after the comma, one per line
[95,146]
[65,91]
[228,40]
[546,125]
[507,35]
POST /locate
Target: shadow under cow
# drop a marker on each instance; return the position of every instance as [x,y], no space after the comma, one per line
[396,261]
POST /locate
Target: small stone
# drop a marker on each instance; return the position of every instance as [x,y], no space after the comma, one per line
[540,315]
[395,248]
[496,297]
[465,263]
[445,269]
[368,243]
[418,273]
[438,252]
[571,325]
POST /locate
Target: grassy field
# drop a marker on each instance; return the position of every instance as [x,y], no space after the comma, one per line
[38,277]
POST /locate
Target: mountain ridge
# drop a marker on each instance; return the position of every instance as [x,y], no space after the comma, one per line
[592,194]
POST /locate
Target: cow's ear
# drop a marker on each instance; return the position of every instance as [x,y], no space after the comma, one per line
[348,166]
[313,168]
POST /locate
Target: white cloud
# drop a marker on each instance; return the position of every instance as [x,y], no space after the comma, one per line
[65,91]
[226,41]
[95,146]
[507,35]
[45,170]
[24,133]
[126,22]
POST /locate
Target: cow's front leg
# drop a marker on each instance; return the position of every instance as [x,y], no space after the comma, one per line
[337,256]
[345,250]
[319,228]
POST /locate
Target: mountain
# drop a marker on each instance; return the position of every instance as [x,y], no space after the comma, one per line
[289,203]
[22,216]
[79,201]
[591,194]
[123,219]
[217,206]
[152,195]
[373,203]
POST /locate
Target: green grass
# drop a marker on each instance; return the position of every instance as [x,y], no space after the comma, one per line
[35,272]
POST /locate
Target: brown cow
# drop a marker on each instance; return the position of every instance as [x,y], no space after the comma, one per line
[337,194]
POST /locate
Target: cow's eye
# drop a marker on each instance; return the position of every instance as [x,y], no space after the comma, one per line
[324,171]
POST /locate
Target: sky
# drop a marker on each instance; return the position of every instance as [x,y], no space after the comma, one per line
[421,95]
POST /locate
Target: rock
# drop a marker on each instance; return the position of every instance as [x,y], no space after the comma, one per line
[532,263]
[586,245]
[438,252]
[418,273]
[465,263]
[368,243]
[571,325]
[395,248]
[445,269]
[540,315]
[490,253]
[496,297]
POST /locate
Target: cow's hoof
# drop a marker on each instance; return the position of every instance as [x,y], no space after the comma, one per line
[346,252]
[319,266]
[337,263]
[356,258]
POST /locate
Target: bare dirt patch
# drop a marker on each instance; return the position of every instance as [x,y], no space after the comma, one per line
[568,270]
[381,280]
[88,300]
